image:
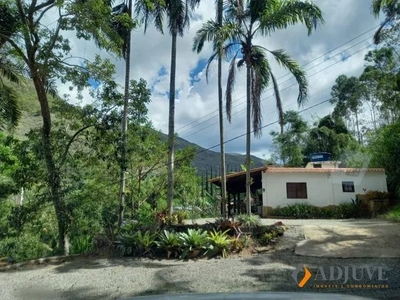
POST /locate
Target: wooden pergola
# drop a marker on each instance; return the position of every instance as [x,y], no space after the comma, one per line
[236,188]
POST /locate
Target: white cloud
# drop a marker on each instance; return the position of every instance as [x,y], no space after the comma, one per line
[196,105]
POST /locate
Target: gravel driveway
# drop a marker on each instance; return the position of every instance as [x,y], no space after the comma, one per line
[120,278]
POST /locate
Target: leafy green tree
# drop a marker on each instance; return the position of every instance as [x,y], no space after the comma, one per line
[381,80]
[291,143]
[177,13]
[386,152]
[43,51]
[347,95]
[330,135]
[244,21]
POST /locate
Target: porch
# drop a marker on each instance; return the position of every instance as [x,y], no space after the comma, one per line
[236,191]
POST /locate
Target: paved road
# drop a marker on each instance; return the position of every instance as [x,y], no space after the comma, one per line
[119,278]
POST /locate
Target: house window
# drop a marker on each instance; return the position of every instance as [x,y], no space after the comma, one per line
[296,190]
[348,186]
[317,166]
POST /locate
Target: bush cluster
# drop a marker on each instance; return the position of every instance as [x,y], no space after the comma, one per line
[191,241]
[354,209]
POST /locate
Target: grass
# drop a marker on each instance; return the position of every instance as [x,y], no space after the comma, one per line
[393,214]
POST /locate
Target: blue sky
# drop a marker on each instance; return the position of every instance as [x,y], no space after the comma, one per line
[196,115]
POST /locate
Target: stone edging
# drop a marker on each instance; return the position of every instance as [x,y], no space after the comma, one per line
[39,261]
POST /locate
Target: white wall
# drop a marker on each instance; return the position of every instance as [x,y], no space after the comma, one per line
[322,188]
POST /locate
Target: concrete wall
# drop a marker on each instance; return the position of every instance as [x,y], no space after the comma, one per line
[323,189]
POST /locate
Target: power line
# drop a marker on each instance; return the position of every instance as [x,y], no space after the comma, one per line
[287,80]
[264,126]
[286,88]
[319,57]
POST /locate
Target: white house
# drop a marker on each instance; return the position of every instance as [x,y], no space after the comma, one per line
[320,183]
[318,186]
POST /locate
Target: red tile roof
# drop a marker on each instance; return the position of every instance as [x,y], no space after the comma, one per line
[322,170]
[269,169]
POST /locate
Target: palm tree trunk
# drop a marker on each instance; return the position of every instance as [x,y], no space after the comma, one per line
[122,197]
[171,123]
[221,121]
[248,137]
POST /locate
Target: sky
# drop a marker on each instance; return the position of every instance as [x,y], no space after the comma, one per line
[336,47]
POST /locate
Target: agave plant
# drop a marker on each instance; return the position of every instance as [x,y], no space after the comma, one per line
[193,242]
[219,243]
[170,242]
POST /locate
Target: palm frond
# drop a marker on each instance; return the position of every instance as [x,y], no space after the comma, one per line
[210,60]
[146,11]
[280,14]
[10,112]
[391,8]
[10,70]
[207,33]
[260,73]
[278,101]
[230,86]
[378,5]
[226,52]
[51,88]
[293,67]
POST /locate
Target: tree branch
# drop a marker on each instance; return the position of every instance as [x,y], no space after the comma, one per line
[42,14]
[64,155]
[55,36]
[43,5]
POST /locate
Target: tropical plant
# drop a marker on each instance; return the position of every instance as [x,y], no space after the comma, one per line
[170,242]
[177,13]
[249,220]
[193,242]
[391,9]
[244,20]
[81,244]
[10,112]
[144,241]
[219,243]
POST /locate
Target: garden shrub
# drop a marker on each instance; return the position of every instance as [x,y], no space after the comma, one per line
[248,220]
[344,210]
[24,247]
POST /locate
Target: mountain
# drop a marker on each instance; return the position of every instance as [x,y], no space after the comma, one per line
[205,159]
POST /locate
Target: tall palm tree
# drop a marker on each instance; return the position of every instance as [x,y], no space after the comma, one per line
[391,9]
[244,20]
[218,47]
[177,13]
[125,33]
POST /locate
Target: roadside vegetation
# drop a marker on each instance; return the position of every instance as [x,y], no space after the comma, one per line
[393,214]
